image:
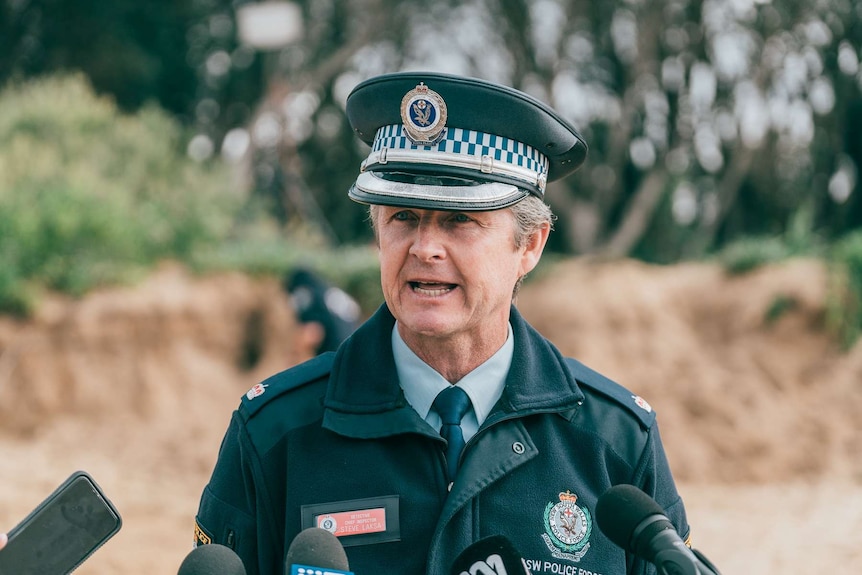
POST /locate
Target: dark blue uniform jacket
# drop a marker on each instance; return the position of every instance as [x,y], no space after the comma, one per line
[333,443]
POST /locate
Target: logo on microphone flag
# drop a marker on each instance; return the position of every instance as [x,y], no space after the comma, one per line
[309,570]
[567,528]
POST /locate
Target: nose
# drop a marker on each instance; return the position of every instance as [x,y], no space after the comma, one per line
[428,241]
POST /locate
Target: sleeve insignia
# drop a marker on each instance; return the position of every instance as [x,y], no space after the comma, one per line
[201,536]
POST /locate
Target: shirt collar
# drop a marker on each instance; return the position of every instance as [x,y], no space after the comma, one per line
[421,383]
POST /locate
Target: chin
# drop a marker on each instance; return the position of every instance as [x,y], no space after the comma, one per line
[427,324]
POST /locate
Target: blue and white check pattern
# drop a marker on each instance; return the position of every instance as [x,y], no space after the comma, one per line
[459,142]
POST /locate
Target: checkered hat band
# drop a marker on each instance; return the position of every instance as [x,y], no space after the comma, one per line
[459,142]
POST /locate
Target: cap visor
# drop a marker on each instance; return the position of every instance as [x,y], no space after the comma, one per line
[370,188]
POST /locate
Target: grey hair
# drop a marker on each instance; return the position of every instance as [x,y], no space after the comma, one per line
[531,215]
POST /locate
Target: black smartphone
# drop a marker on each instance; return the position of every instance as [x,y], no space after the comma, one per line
[63,531]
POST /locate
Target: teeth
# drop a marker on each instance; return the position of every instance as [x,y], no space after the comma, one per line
[431,292]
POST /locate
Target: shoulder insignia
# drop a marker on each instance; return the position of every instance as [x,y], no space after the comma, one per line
[283,382]
[597,382]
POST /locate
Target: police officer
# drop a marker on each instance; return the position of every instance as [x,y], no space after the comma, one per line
[326,314]
[445,418]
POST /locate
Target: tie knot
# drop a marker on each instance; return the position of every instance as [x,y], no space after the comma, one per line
[452,404]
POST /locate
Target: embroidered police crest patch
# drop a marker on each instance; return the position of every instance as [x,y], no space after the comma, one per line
[423,113]
[567,528]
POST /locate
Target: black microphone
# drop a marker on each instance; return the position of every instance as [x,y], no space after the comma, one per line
[316,551]
[212,559]
[494,555]
[634,521]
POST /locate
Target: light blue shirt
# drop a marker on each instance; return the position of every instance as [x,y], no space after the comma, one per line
[421,383]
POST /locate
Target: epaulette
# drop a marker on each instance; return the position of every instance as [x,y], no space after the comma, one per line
[284,382]
[610,389]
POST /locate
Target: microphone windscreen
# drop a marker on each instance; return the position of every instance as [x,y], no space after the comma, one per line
[494,554]
[317,547]
[622,508]
[213,559]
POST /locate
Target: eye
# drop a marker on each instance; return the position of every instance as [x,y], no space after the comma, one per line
[403,216]
[461,218]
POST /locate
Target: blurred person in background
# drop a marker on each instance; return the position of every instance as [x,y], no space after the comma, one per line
[326,314]
[445,418]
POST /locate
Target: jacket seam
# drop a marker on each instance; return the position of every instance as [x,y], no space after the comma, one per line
[256,468]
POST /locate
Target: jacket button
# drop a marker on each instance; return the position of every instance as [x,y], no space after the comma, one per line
[518,447]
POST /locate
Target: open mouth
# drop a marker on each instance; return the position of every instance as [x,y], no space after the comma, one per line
[432,289]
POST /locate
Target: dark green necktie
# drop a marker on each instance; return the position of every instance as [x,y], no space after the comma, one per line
[452,404]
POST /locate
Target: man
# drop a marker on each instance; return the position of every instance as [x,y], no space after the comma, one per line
[351,441]
[326,314]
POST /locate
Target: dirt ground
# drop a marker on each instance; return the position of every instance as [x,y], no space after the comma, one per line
[760,414]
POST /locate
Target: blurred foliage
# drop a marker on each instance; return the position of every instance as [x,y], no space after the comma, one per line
[843,258]
[355,269]
[780,305]
[720,129]
[707,121]
[844,300]
[89,196]
[747,254]
[138,52]
[750,252]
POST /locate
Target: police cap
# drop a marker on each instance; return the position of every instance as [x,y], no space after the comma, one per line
[447,142]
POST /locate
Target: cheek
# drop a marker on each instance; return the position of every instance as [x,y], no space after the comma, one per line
[390,265]
[385,270]
[498,271]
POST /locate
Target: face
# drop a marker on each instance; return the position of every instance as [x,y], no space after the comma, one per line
[451,274]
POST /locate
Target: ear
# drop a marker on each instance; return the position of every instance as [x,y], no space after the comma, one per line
[533,248]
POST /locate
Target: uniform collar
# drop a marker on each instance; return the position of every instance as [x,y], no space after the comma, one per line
[421,383]
[364,397]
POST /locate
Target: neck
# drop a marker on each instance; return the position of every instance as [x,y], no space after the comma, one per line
[456,356]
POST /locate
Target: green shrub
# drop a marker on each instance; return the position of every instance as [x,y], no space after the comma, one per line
[799,239]
[747,254]
[89,196]
[844,299]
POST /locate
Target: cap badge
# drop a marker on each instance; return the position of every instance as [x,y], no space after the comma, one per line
[567,528]
[423,113]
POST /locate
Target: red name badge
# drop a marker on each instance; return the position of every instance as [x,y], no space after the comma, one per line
[356,522]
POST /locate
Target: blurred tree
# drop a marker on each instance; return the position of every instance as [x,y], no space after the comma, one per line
[707,119]
[132,50]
